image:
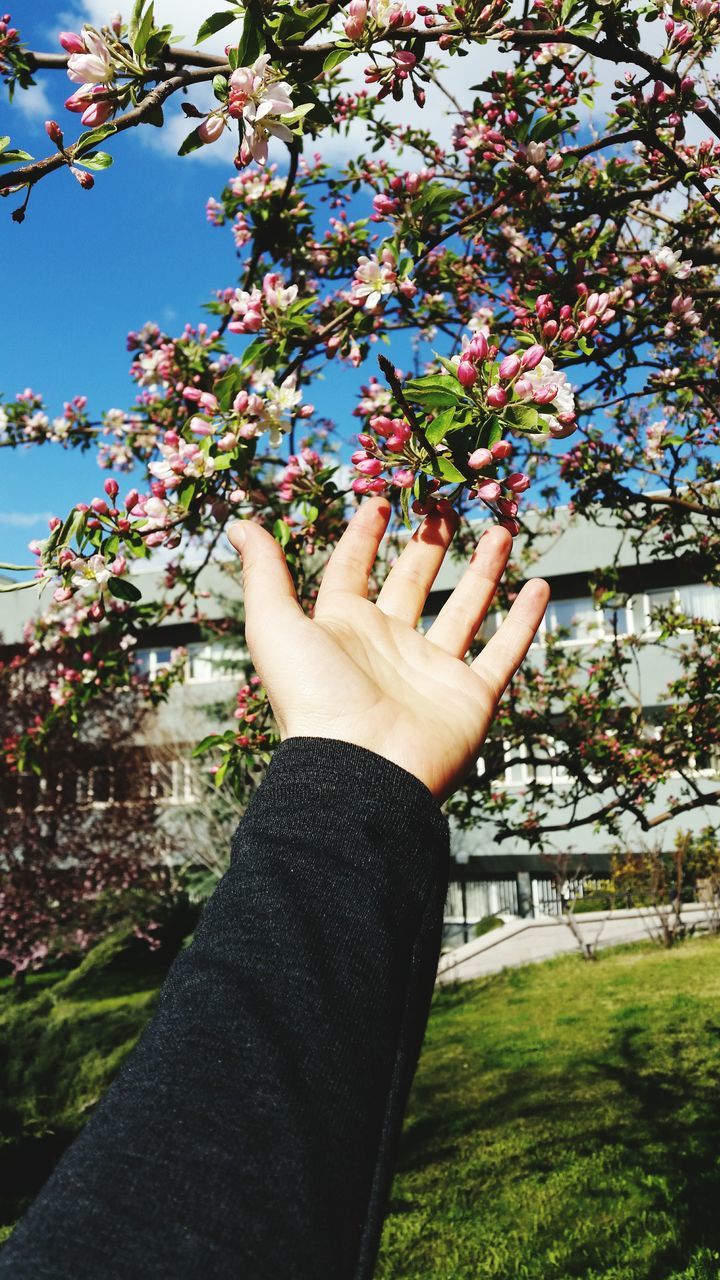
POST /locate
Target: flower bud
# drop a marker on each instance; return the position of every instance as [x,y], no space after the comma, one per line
[507,507]
[509,367]
[518,482]
[550,329]
[211,128]
[132,499]
[478,348]
[467,374]
[71,42]
[497,397]
[480,458]
[488,491]
[99,506]
[512,526]
[111,488]
[403,478]
[54,132]
[532,357]
[369,466]
[501,449]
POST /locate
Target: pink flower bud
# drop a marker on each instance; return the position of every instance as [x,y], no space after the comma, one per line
[554,163]
[467,374]
[71,42]
[480,458]
[111,488]
[550,329]
[509,367]
[367,442]
[211,129]
[518,482]
[478,347]
[501,449]
[99,506]
[488,491]
[358,456]
[54,132]
[545,395]
[62,594]
[376,486]
[532,357]
[512,526]
[370,466]
[132,499]
[497,397]
[507,507]
[240,403]
[96,114]
[360,485]
[404,479]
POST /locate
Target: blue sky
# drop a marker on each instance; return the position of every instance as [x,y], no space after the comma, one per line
[86,267]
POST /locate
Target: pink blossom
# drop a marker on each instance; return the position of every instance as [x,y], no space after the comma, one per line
[94,66]
[467,374]
[479,459]
[488,491]
[518,482]
[212,128]
[497,397]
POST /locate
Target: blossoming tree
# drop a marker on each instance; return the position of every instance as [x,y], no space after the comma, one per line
[553,270]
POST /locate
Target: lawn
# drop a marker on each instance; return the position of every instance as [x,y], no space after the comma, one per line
[565,1119]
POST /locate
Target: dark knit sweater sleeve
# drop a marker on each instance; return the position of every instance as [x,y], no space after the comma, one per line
[253,1130]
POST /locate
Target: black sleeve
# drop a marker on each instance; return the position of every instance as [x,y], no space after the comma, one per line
[252,1132]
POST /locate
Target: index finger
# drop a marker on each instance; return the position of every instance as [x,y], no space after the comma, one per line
[349,566]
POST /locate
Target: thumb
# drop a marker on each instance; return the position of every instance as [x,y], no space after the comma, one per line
[267,585]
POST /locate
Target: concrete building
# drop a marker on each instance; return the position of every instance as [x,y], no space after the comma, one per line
[487,877]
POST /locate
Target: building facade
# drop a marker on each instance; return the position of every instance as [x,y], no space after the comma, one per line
[487,877]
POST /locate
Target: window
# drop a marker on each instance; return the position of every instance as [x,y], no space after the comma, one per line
[150,661]
[210,662]
[577,618]
[698,600]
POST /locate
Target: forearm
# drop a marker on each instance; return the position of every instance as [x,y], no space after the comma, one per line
[253,1130]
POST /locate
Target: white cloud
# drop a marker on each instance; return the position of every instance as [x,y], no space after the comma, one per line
[34,103]
[25,519]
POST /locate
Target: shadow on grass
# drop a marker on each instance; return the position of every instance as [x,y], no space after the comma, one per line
[676,1135]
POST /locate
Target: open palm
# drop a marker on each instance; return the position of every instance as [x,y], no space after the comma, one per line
[361,672]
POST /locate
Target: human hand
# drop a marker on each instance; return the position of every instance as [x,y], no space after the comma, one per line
[360,672]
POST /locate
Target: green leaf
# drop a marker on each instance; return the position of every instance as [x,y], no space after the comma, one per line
[295,24]
[492,431]
[135,20]
[443,423]
[334,58]
[214,23]
[221,88]
[219,776]
[211,740]
[96,160]
[4,141]
[123,590]
[251,43]
[144,31]
[191,143]
[435,391]
[449,471]
[405,496]
[585,346]
[10,157]
[227,387]
[87,141]
[281,532]
[522,416]
[186,493]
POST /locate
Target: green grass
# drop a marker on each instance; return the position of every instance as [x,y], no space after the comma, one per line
[565,1119]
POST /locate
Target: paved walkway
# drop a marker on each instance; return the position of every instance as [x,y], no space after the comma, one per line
[529,941]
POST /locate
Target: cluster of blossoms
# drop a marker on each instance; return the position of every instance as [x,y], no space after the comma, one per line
[261,101]
[25,421]
[8,40]
[92,67]
[251,310]
[378,278]
[524,377]
[297,475]
[252,706]
[251,187]
[383,14]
